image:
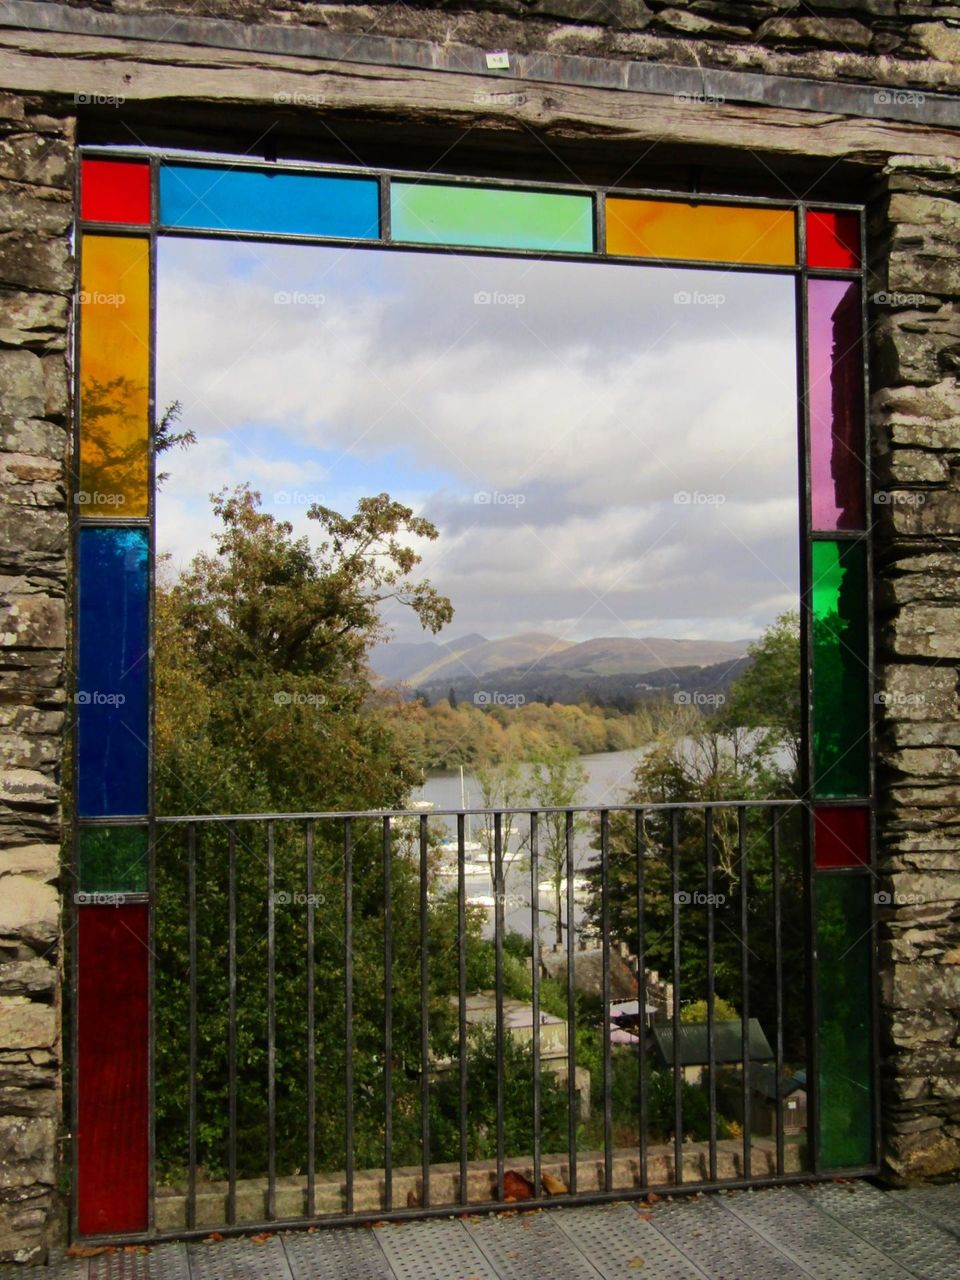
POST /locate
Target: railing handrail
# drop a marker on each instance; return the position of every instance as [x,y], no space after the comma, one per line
[515,810]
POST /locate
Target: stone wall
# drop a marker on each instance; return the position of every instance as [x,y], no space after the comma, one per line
[916,422]
[36,278]
[915,355]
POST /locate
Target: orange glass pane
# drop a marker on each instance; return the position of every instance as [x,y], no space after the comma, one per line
[114,375]
[701,232]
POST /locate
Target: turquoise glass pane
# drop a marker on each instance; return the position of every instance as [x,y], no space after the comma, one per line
[491,217]
[113,672]
[844,1030]
[841,679]
[113,859]
[302,204]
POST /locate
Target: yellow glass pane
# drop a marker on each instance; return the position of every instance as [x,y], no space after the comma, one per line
[114,375]
[701,232]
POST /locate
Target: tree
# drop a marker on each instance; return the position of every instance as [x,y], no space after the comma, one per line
[767,696]
[557,781]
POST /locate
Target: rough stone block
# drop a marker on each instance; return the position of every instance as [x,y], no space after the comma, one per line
[22,388]
[25,1023]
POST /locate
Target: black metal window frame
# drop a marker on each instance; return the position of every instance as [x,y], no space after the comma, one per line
[802,273]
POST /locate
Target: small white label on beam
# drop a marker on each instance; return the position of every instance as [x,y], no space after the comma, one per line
[498,61]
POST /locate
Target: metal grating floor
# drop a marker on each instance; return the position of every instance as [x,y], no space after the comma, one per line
[833,1231]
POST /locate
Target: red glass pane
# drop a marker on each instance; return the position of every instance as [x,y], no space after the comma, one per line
[112,1059]
[833,239]
[841,837]
[835,397]
[115,191]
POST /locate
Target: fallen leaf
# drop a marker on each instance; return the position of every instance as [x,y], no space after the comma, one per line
[89,1250]
[213,1238]
[262,1237]
[413,1200]
[553,1186]
[635,1264]
[652,1198]
[516,1186]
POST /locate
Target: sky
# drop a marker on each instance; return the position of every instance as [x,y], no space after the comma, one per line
[606,450]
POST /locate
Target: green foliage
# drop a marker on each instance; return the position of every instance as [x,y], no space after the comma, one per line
[696,1011]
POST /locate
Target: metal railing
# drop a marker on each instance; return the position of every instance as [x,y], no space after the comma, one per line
[322,1045]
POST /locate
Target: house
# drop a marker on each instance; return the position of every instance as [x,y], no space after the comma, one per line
[693,1048]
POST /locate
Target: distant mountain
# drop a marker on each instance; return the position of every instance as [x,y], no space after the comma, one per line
[416,664]
[539,666]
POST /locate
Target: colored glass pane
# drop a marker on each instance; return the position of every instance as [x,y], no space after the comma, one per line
[844,944]
[274,202]
[113,859]
[833,239]
[112,1056]
[112,677]
[491,217]
[114,191]
[835,395]
[841,836]
[114,375]
[841,706]
[701,232]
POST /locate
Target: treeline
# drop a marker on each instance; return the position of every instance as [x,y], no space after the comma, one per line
[445,736]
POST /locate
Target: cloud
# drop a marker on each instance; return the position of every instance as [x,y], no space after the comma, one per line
[547,428]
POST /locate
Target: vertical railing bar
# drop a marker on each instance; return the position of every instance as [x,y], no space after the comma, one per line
[641,994]
[778,980]
[462,1009]
[605,981]
[535,989]
[745,985]
[271,1027]
[498,987]
[424,1023]
[348,1007]
[711,1009]
[387,1018]
[571,1010]
[675,1011]
[192,1018]
[232,1025]
[311,1032]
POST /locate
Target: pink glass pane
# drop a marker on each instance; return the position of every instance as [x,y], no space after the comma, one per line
[835,397]
[841,836]
[833,239]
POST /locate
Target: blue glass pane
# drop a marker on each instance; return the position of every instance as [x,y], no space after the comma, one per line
[113,673]
[281,203]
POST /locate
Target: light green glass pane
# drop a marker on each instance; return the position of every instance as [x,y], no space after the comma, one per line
[113,859]
[844,1032]
[491,218]
[841,679]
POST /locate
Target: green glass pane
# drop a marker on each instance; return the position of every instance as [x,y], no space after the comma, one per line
[841,681]
[844,1022]
[113,859]
[491,218]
